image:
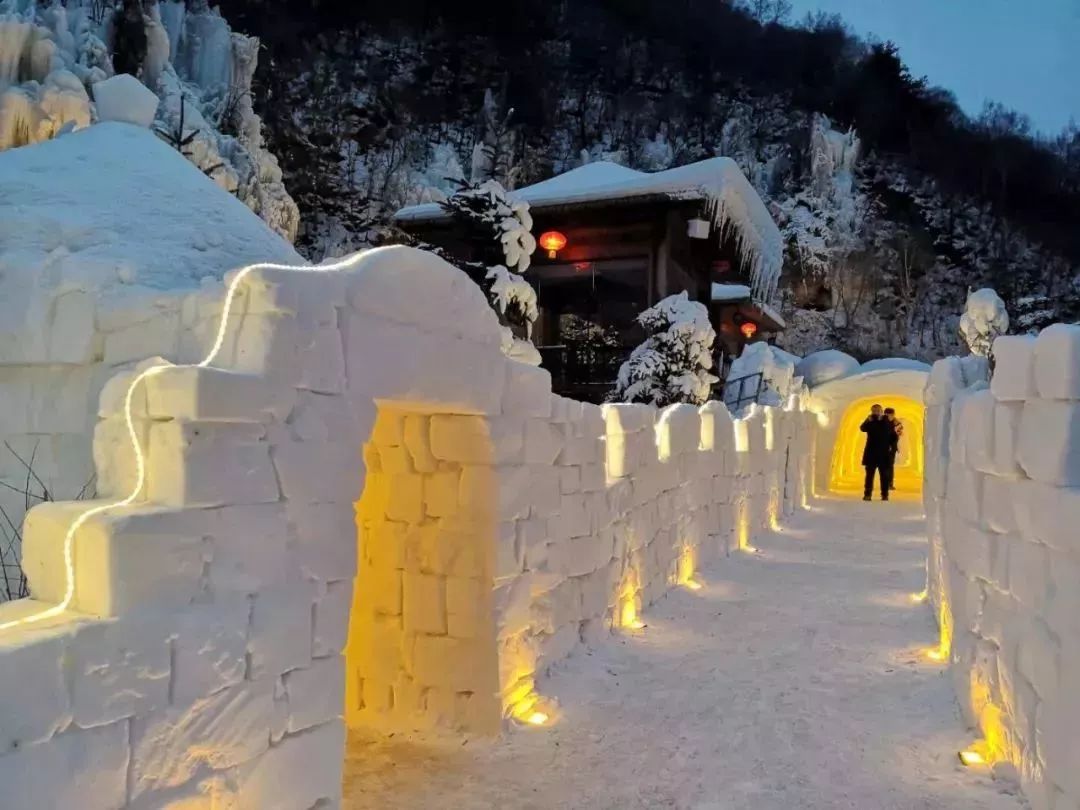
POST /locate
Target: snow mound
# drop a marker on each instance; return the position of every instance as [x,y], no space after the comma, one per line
[824,366]
[125,99]
[111,212]
[777,370]
[730,202]
[894,364]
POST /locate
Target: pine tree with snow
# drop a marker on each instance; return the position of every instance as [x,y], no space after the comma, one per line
[673,363]
[488,216]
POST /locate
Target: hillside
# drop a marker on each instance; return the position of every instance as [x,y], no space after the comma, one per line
[888,226]
[892,201]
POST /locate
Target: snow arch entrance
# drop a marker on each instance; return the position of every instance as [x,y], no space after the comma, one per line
[846,473]
[841,405]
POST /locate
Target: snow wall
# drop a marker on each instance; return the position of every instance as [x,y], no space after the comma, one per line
[216,647]
[1002,499]
[112,248]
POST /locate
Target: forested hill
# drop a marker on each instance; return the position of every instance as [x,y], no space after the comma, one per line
[372,105]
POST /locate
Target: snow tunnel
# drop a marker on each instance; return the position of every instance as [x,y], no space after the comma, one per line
[841,406]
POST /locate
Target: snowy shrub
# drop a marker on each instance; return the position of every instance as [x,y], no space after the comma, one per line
[983,320]
[672,365]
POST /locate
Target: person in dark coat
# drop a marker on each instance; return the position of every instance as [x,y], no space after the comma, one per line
[879,455]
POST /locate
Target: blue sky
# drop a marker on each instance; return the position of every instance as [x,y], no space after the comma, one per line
[1024,54]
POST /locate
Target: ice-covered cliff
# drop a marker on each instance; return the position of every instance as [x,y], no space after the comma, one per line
[52,56]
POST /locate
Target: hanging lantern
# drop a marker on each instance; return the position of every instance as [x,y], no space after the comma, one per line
[552,242]
[749,329]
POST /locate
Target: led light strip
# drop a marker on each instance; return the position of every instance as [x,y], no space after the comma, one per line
[140,459]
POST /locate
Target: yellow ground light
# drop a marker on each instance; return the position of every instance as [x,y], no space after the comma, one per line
[847,473]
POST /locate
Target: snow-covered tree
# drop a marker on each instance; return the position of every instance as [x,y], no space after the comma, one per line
[984,319]
[673,363]
[490,216]
[488,207]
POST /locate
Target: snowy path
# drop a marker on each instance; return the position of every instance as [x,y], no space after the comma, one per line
[792,680]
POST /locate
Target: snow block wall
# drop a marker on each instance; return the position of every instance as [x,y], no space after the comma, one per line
[363,513]
[1003,506]
[86,290]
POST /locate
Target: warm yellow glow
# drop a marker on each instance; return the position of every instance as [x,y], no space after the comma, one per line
[140,460]
[847,473]
[628,615]
[693,585]
[686,567]
[822,419]
[636,624]
[976,754]
[918,597]
[537,719]
[937,654]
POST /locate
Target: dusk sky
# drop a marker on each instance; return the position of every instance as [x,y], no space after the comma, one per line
[1024,54]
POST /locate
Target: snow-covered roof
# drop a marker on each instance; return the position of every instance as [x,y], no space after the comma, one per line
[730,200]
[730,292]
[114,212]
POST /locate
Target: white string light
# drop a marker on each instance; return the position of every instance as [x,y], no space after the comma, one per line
[140,459]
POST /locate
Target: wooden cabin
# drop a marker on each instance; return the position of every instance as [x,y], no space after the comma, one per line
[628,240]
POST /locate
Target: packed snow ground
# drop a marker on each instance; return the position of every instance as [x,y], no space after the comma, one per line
[793,680]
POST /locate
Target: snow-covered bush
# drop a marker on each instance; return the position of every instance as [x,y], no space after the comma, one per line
[673,363]
[983,320]
[777,370]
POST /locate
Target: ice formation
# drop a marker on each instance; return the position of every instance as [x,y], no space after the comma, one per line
[53,57]
[983,320]
[729,199]
[673,363]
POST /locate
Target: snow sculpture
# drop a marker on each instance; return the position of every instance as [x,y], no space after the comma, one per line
[983,320]
[125,99]
[54,57]
[777,370]
[672,365]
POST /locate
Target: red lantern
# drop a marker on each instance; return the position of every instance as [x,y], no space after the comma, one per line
[552,242]
[749,329]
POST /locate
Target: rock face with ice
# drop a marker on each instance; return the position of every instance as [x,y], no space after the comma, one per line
[56,61]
